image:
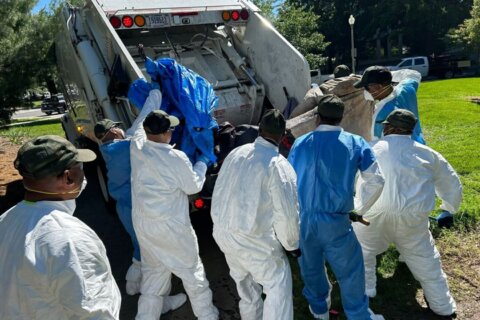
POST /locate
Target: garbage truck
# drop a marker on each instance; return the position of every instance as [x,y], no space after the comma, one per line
[250,65]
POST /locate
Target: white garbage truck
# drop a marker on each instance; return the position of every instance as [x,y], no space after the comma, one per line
[249,63]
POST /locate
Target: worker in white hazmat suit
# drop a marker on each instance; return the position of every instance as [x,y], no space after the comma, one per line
[162,179]
[255,213]
[115,149]
[326,162]
[414,173]
[53,266]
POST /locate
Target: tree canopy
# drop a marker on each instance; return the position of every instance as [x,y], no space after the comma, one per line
[468,32]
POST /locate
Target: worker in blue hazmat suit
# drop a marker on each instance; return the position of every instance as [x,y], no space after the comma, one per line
[414,173]
[326,162]
[377,82]
[162,179]
[53,266]
[255,213]
[115,149]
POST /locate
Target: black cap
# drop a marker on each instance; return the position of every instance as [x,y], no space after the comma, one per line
[158,121]
[330,106]
[273,122]
[103,126]
[49,155]
[374,74]
[401,118]
[341,71]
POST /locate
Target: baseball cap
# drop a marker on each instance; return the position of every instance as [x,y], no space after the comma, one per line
[102,127]
[273,122]
[341,71]
[374,74]
[49,155]
[330,106]
[401,118]
[158,121]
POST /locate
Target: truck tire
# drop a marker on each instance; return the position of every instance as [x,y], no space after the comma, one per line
[48,113]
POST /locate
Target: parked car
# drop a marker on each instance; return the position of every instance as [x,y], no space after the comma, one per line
[443,66]
[56,103]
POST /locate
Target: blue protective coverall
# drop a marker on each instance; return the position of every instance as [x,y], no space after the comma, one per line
[326,162]
[404,96]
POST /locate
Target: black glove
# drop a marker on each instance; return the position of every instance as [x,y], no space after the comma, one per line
[295,253]
[445,220]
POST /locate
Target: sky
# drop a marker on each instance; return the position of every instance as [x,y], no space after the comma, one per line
[40,5]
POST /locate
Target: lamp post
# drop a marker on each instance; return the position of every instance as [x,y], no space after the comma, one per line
[351,22]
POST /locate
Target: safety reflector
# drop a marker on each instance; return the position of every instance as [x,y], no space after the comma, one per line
[115,22]
[127,21]
[199,203]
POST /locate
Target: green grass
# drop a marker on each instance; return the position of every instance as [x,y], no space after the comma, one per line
[451,124]
[20,134]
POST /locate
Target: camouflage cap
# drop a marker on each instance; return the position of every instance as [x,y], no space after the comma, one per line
[341,71]
[273,122]
[374,74]
[330,106]
[401,118]
[49,155]
[103,126]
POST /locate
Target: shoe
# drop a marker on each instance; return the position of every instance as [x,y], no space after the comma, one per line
[371,293]
[173,302]
[323,316]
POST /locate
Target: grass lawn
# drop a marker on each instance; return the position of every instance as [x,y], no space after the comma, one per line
[451,124]
[19,134]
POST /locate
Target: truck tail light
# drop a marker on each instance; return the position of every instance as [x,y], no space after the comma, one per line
[139,21]
[244,14]
[235,15]
[127,21]
[115,22]
[226,15]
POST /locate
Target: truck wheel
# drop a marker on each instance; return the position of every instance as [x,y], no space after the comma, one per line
[448,74]
[48,113]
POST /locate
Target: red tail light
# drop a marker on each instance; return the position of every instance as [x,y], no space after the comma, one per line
[235,15]
[115,22]
[127,21]
[244,14]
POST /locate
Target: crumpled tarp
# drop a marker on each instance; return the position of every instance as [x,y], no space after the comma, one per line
[187,96]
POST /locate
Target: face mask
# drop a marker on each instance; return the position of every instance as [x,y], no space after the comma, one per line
[368,96]
[79,190]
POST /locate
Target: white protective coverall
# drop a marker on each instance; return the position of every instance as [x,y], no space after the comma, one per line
[255,213]
[413,173]
[53,266]
[162,179]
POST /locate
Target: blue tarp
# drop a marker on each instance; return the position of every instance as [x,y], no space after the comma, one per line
[187,96]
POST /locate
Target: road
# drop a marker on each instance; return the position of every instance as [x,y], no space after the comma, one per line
[33,113]
[93,211]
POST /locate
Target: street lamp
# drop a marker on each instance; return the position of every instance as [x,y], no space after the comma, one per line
[351,22]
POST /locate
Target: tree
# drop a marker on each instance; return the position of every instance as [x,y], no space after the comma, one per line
[299,26]
[26,51]
[468,32]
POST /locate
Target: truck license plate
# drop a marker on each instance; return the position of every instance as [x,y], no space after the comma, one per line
[158,21]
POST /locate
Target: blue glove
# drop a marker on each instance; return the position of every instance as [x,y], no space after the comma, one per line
[445,219]
[203,158]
